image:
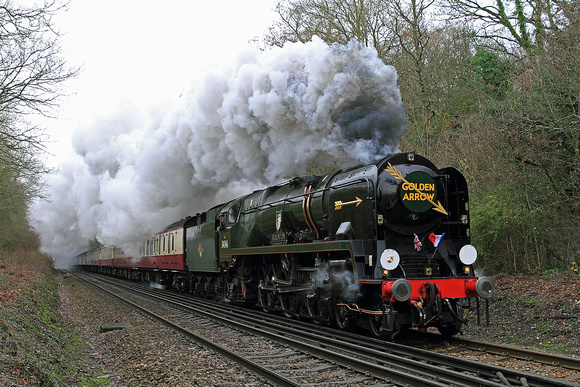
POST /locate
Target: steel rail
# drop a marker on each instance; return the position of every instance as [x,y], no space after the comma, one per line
[440,367]
[443,363]
[399,375]
[267,373]
[520,353]
[376,362]
[489,370]
[446,368]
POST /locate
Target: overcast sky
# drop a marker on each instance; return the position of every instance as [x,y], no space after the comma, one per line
[145,53]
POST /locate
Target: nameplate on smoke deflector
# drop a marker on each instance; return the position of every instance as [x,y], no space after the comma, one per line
[278,238]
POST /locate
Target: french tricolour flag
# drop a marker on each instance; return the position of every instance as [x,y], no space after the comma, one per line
[436,239]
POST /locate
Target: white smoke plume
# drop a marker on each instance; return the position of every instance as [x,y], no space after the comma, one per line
[343,281]
[242,127]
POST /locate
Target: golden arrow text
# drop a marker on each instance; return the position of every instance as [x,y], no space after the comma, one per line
[397,175]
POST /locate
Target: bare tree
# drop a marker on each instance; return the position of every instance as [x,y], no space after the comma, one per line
[31,73]
[517,24]
[333,21]
[409,26]
[31,67]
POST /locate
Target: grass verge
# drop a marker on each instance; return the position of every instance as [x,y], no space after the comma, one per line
[37,347]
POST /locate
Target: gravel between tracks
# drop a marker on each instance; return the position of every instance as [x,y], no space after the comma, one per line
[146,354]
[540,313]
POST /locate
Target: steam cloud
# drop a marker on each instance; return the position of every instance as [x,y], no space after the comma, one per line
[262,119]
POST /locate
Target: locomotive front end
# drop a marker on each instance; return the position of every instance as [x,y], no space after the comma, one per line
[384,246]
[427,264]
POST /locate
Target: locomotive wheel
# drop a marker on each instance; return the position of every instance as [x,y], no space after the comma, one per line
[266,298]
[382,326]
[213,292]
[343,318]
[201,286]
[289,302]
[192,285]
[181,284]
[319,308]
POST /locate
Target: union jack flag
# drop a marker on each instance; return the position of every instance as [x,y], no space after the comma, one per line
[418,244]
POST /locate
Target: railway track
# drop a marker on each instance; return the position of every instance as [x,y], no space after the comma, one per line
[280,361]
[525,358]
[297,353]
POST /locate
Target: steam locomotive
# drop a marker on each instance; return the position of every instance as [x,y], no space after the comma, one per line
[385,246]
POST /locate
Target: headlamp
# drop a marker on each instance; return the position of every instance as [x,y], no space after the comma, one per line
[468,254]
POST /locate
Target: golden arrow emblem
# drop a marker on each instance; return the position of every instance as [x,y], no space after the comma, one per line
[397,175]
[338,204]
